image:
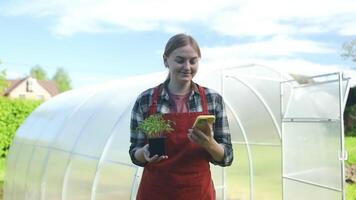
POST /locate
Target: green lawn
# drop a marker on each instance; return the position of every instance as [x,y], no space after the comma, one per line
[267,186]
[2,171]
[351,192]
[350,145]
[265,191]
[267,181]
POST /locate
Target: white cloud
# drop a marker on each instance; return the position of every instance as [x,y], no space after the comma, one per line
[14,74]
[264,18]
[277,46]
[285,65]
[278,53]
[281,21]
[230,17]
[174,29]
[94,16]
[349,29]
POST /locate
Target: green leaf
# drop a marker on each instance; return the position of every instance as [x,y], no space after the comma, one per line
[12,114]
[155,125]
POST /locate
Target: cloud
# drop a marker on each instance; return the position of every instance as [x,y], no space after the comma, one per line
[349,29]
[14,74]
[97,16]
[285,66]
[279,53]
[265,18]
[228,17]
[275,47]
[276,26]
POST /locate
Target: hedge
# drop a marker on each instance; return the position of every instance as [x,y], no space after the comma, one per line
[350,120]
[12,113]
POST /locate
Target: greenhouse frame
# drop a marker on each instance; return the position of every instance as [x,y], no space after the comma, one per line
[286,129]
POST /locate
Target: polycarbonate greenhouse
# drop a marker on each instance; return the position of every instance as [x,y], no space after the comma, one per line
[287,134]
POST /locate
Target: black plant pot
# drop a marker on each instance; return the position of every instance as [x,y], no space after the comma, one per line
[157,146]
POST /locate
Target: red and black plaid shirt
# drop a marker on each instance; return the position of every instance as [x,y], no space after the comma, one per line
[215,107]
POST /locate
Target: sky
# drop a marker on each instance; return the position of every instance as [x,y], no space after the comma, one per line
[99,40]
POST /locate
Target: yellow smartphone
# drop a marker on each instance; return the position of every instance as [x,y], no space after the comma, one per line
[201,119]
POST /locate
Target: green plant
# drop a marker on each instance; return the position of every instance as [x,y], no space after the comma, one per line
[12,114]
[350,118]
[2,175]
[155,126]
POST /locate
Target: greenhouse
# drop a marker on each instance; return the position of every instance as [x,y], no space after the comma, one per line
[287,135]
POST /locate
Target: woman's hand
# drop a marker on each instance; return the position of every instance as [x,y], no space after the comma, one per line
[154,158]
[203,137]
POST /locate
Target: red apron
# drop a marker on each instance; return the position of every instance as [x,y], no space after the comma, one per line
[185,175]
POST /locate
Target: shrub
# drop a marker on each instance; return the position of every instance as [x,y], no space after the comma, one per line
[350,120]
[12,113]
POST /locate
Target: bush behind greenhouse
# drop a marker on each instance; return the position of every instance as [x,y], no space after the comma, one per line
[350,120]
[12,113]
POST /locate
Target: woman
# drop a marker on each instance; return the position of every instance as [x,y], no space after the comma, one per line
[184,172]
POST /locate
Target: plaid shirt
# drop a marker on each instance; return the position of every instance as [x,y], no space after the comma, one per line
[215,107]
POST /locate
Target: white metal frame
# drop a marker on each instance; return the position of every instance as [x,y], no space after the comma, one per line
[343,93]
[342,103]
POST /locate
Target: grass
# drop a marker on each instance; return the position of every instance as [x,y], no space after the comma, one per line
[267,181]
[350,145]
[351,192]
[2,173]
[267,184]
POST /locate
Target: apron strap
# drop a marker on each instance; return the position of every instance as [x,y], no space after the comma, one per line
[153,106]
[157,90]
[203,99]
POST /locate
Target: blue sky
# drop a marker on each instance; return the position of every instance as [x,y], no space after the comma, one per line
[96,41]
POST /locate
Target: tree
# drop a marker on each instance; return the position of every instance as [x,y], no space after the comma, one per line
[349,50]
[62,80]
[3,81]
[38,73]
[351,99]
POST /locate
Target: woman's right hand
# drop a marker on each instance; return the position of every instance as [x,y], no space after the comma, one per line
[153,159]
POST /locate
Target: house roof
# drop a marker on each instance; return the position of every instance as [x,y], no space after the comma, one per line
[12,85]
[48,85]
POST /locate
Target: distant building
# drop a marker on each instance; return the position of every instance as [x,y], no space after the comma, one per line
[31,88]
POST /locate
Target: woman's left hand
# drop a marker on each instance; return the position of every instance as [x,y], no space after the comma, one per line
[203,137]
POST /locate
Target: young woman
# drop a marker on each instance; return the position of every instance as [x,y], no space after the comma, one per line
[184,173]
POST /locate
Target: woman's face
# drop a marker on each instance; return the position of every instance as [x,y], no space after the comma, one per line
[182,63]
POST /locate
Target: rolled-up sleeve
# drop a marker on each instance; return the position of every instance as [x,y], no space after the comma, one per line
[222,133]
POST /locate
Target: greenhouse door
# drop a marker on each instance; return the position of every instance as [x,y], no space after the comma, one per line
[312,137]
